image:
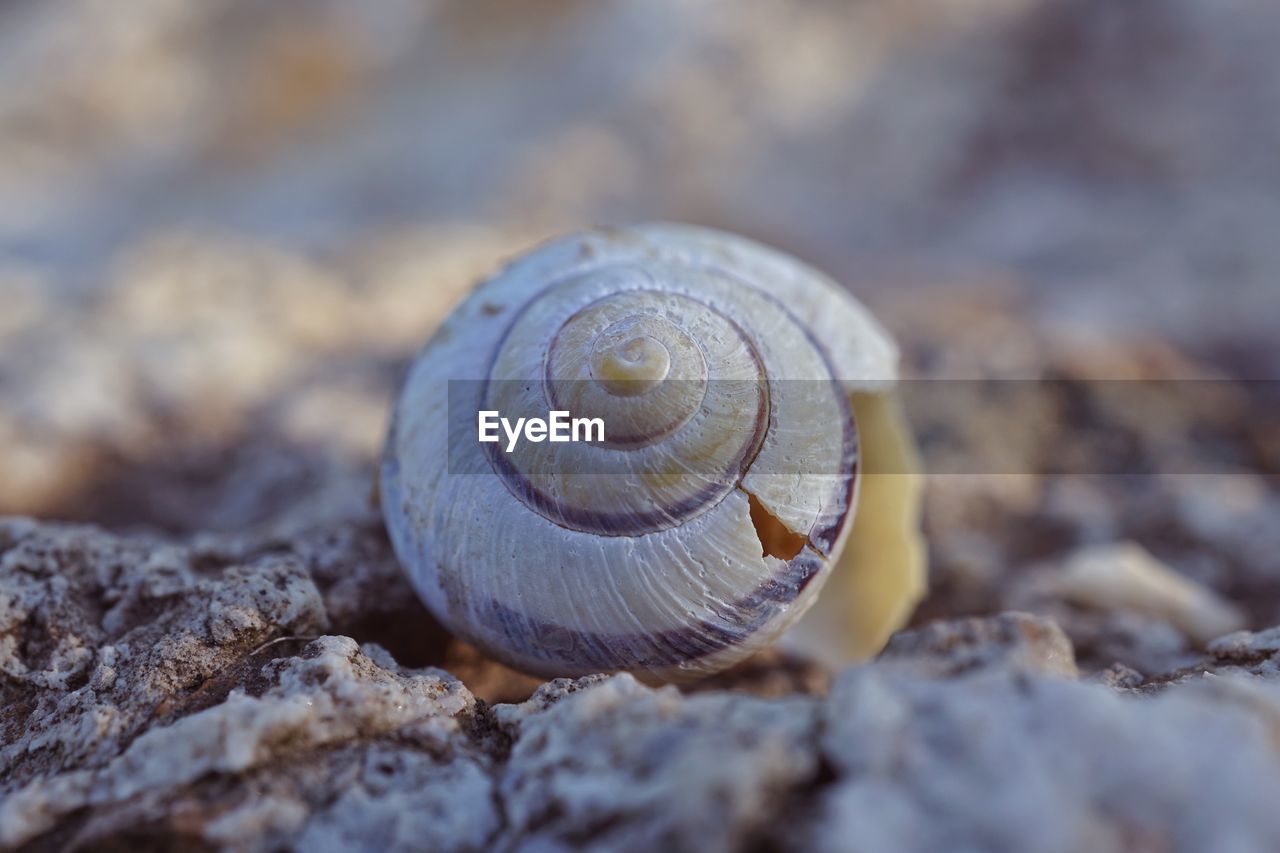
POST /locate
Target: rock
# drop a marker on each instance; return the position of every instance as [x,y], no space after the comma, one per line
[1126,577]
[1120,677]
[1117,603]
[1244,652]
[1246,645]
[1015,641]
[167,694]
[102,637]
[620,766]
[141,676]
[277,724]
[1002,761]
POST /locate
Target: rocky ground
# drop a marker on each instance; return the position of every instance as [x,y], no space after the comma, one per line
[208,694]
[224,229]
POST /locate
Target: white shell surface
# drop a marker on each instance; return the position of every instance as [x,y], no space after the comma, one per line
[564,559]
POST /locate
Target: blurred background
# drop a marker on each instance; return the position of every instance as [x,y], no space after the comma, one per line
[225,225]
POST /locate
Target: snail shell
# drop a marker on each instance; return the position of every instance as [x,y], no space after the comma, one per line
[724,491]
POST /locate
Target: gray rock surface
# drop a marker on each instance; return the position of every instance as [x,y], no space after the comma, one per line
[1013,641]
[1127,607]
[1003,761]
[155,694]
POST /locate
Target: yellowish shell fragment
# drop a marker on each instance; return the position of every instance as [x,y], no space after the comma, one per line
[880,577]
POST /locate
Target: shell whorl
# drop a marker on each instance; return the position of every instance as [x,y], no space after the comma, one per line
[680,386]
[727,411]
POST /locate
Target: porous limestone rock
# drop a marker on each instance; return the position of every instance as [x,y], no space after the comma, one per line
[102,637]
[1120,604]
[1015,641]
[167,693]
[620,766]
[998,760]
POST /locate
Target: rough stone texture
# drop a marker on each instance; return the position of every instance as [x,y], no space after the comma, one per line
[226,225]
[103,637]
[1003,761]
[1015,641]
[1123,606]
[154,695]
[626,767]
[326,742]
[1254,653]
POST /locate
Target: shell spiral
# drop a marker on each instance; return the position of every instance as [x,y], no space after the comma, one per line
[706,519]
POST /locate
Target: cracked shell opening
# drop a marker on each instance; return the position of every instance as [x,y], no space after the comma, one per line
[776,539]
